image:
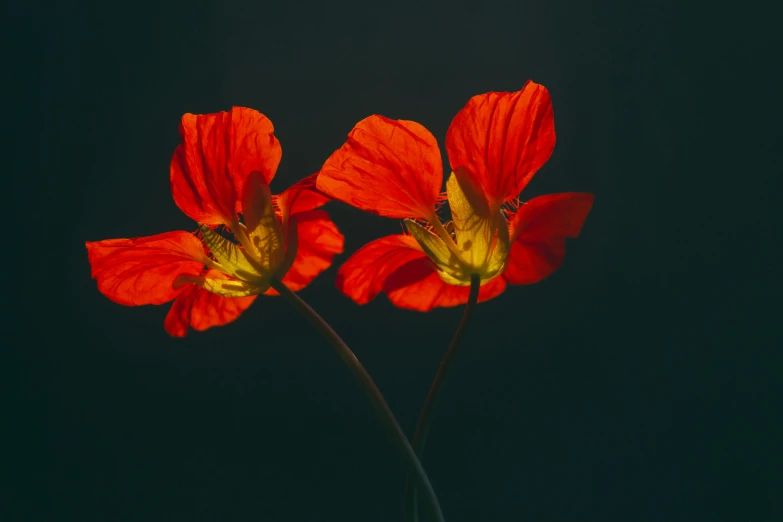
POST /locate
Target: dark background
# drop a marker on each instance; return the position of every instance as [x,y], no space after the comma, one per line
[640,382]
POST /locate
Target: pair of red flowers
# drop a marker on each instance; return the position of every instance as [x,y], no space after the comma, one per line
[220,177]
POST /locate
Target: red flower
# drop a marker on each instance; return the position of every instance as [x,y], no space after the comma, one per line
[393,168]
[220,177]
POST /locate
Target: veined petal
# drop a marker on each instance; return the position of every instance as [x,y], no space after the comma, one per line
[388,167]
[366,271]
[200,309]
[301,197]
[539,229]
[264,231]
[142,270]
[217,153]
[418,286]
[503,138]
[318,241]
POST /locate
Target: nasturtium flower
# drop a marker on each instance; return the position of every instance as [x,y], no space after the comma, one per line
[393,168]
[220,177]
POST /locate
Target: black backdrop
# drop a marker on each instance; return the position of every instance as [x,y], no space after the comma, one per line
[634,384]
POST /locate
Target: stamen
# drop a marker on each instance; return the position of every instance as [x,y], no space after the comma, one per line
[510,208]
[420,221]
[515,203]
[207,251]
[213,261]
[440,200]
[449,227]
[276,205]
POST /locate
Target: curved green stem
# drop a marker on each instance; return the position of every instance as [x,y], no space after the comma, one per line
[423,426]
[379,403]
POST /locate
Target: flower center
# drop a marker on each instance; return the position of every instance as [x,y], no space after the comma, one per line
[476,241]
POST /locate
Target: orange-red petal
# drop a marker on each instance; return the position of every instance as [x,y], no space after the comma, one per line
[200,309]
[363,276]
[388,167]
[142,270]
[417,286]
[301,197]
[503,138]
[217,153]
[539,230]
[319,241]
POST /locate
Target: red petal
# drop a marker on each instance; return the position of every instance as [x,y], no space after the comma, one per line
[416,286]
[217,153]
[301,197]
[200,309]
[388,167]
[319,242]
[503,138]
[142,270]
[541,226]
[364,274]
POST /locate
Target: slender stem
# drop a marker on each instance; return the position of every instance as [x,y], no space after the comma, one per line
[379,403]
[423,426]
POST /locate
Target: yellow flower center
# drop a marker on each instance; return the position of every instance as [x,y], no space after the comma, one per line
[264,250]
[478,242]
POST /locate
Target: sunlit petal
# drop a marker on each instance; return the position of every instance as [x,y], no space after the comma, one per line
[503,138]
[142,270]
[319,241]
[418,286]
[388,167]
[200,309]
[217,153]
[366,271]
[539,230]
[301,197]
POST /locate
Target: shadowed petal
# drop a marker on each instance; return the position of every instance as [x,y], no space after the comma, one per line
[417,286]
[388,167]
[319,241]
[366,271]
[301,197]
[142,270]
[217,153]
[503,138]
[538,231]
[199,309]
